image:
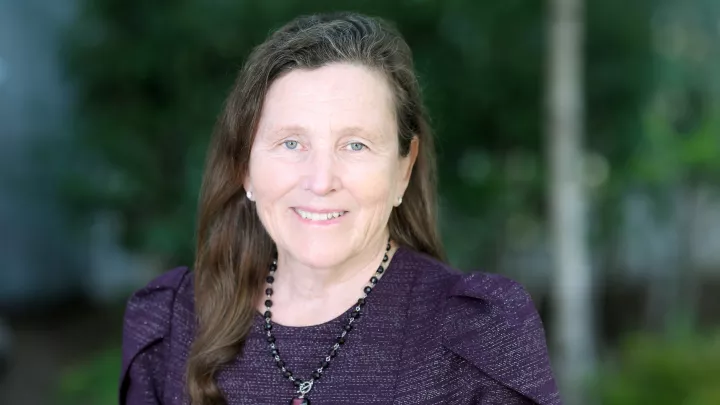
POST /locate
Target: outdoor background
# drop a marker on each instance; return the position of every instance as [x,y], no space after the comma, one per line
[106,107]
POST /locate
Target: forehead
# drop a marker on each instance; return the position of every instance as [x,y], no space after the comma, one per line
[339,95]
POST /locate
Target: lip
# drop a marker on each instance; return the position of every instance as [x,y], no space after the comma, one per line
[326,222]
[319,211]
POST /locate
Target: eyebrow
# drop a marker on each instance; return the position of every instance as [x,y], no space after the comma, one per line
[355,130]
[290,128]
[346,131]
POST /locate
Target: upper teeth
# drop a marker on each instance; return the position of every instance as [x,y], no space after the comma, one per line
[314,216]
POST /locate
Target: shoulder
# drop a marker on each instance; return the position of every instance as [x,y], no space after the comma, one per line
[491,322]
[149,309]
[440,281]
[149,312]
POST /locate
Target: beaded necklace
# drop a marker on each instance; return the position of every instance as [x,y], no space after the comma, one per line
[303,387]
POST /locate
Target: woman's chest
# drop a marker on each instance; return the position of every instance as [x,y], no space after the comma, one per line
[365,369]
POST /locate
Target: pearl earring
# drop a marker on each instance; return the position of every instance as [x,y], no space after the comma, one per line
[399,201]
[249,195]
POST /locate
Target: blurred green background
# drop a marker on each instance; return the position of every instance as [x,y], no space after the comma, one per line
[106,107]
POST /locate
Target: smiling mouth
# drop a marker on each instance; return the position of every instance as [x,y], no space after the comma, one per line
[319,216]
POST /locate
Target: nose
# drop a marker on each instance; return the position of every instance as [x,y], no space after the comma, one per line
[322,177]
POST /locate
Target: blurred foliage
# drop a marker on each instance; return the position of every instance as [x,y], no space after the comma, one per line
[672,156]
[151,78]
[93,381]
[680,140]
[652,370]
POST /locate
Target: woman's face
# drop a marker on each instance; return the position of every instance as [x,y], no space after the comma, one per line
[325,169]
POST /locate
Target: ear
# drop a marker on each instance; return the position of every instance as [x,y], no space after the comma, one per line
[407,164]
[247,186]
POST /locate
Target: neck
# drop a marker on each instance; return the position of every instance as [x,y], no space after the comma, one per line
[305,295]
[304,281]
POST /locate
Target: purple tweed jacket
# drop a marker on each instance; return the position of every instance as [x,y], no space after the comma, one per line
[428,335]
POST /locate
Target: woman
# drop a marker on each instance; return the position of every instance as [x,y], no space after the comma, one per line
[319,272]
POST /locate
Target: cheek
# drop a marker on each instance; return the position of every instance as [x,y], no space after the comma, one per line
[269,179]
[372,185]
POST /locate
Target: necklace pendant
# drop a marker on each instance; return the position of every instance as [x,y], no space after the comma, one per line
[299,401]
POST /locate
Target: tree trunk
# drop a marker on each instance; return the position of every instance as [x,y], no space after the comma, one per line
[572,286]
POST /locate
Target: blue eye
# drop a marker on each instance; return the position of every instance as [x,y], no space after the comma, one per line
[356,146]
[291,144]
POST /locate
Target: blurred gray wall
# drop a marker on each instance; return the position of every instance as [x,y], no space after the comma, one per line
[42,258]
[37,254]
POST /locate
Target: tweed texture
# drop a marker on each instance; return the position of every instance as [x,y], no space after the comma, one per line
[428,335]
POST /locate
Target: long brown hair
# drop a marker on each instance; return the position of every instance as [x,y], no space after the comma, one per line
[233,248]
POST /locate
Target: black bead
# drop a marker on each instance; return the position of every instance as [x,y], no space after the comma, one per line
[297,383]
[387,247]
[333,353]
[316,375]
[373,280]
[361,301]
[268,314]
[270,279]
[273,267]
[367,290]
[386,258]
[269,291]
[280,363]
[268,303]
[341,340]
[380,270]
[271,339]
[324,364]
[275,352]
[268,326]
[348,327]
[287,373]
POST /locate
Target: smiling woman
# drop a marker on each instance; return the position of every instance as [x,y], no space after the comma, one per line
[319,270]
[328,163]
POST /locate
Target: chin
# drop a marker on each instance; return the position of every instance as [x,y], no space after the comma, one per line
[319,256]
[323,260]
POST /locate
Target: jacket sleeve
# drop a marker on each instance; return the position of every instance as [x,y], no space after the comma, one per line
[145,340]
[492,323]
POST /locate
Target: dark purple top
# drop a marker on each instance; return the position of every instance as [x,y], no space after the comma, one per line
[428,335]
